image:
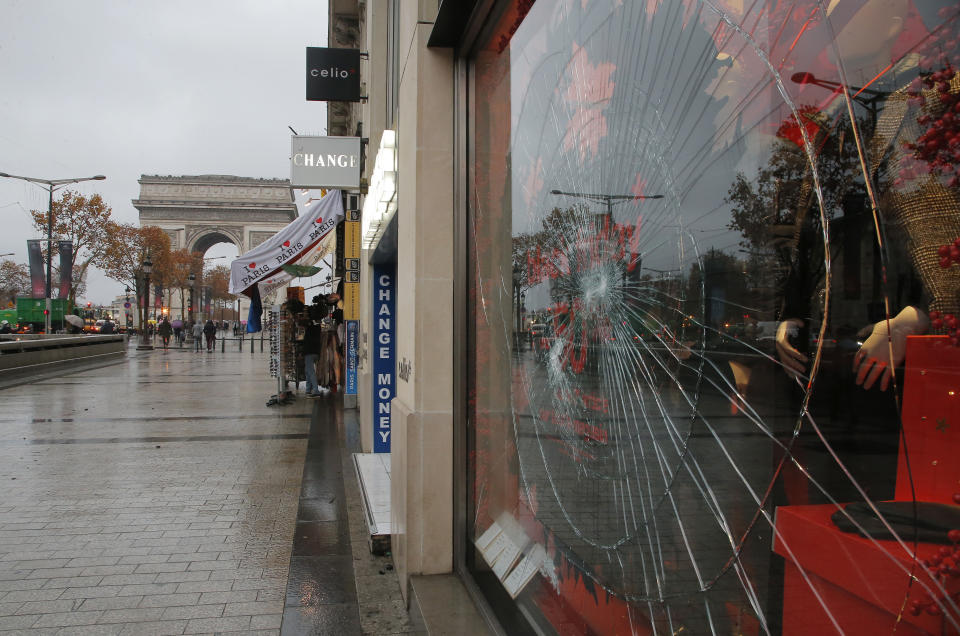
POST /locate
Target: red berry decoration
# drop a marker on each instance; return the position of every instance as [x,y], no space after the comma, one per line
[934,153]
[956,498]
[945,262]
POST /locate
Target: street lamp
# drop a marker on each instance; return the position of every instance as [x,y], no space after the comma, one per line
[144,338]
[191,280]
[126,308]
[51,186]
[607,199]
[205,297]
[870,103]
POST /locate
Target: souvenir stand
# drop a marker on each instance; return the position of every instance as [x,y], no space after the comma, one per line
[295,315]
[275,327]
[271,265]
[285,325]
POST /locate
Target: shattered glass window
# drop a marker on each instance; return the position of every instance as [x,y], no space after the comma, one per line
[715,285]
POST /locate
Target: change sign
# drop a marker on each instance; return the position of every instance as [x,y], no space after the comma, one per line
[324,162]
[384,367]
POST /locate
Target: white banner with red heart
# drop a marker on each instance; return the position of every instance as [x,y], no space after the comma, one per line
[317,219]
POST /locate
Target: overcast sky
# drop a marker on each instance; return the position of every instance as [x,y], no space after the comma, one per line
[179,87]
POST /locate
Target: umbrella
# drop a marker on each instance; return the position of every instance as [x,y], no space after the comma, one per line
[76,321]
[176,324]
[300,270]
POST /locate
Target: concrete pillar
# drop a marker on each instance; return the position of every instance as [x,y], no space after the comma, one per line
[422,446]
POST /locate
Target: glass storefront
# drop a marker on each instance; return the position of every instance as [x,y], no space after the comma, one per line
[714,285]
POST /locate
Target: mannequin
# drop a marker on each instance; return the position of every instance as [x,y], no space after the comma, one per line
[923,209]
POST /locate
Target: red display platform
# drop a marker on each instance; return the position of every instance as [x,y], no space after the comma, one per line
[864,585]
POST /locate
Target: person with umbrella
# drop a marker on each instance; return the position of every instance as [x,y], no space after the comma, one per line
[178,331]
[75,322]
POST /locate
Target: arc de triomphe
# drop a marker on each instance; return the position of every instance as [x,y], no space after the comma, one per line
[198,212]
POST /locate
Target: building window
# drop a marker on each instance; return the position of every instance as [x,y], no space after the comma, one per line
[684,409]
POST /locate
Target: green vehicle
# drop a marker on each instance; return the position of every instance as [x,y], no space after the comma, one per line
[30,312]
[10,315]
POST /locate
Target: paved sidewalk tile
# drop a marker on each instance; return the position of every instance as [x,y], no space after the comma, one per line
[146,501]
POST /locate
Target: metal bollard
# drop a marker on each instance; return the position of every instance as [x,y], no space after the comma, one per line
[240,343]
[251,345]
[261,342]
[223,343]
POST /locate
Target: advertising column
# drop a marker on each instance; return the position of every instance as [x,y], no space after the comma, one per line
[384,367]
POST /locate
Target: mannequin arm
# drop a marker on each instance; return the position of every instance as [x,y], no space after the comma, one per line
[874,360]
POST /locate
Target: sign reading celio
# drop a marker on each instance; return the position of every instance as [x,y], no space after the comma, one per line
[333,75]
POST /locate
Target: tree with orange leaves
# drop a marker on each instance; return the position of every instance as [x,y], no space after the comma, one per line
[14,281]
[83,221]
[126,247]
[218,279]
[183,262]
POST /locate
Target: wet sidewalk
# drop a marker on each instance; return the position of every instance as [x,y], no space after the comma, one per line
[336,586]
[161,495]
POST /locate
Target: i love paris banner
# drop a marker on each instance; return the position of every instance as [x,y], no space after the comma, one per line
[288,245]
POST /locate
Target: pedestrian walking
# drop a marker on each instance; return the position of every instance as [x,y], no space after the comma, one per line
[210,332]
[107,326]
[312,348]
[330,353]
[197,335]
[165,329]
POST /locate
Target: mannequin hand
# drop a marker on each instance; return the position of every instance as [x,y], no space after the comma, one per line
[874,361]
[794,362]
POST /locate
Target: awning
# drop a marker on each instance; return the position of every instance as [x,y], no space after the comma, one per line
[287,246]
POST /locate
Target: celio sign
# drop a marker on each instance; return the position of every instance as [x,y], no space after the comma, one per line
[333,75]
[324,162]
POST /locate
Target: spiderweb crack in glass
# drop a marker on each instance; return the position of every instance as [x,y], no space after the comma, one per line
[631,403]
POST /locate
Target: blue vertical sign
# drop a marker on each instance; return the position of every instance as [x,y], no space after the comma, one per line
[384,366]
[353,341]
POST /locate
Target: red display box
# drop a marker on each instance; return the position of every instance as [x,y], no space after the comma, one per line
[858,585]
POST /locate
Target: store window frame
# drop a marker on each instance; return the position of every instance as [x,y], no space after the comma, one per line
[480,23]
